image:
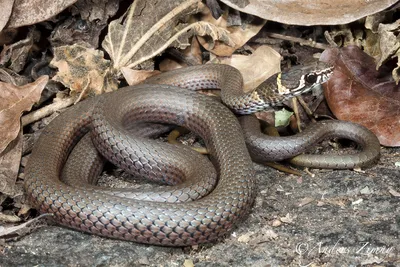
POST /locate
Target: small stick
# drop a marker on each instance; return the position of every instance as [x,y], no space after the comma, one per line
[309,173]
[46,111]
[296,112]
[294,39]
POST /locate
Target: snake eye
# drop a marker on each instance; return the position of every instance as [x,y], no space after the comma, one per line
[311,78]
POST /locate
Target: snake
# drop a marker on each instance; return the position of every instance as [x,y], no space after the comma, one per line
[188,213]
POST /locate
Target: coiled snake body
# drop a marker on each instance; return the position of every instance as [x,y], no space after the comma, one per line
[168,223]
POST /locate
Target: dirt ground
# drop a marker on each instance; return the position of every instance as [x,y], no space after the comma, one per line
[337,218]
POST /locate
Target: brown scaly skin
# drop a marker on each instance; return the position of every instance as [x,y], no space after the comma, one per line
[160,223]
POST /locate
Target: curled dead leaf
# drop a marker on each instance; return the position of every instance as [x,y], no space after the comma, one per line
[357,92]
[84,70]
[238,35]
[310,12]
[34,11]
[389,45]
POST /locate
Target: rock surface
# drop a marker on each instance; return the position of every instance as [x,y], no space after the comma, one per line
[337,218]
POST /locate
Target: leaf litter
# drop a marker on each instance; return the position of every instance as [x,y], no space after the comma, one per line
[357,92]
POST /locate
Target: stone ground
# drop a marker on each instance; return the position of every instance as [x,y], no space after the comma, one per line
[337,218]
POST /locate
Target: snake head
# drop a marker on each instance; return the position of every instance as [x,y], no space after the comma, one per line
[303,78]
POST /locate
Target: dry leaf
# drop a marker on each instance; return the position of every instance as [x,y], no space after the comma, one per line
[216,33]
[99,10]
[238,34]
[84,70]
[90,18]
[371,40]
[357,92]
[9,218]
[265,235]
[381,40]
[15,56]
[21,229]
[257,67]
[34,11]
[13,101]
[74,30]
[9,165]
[145,30]
[310,12]
[345,35]
[388,41]
[5,12]
[149,27]
[133,77]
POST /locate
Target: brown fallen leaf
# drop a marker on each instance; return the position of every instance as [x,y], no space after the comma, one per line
[9,166]
[382,42]
[13,101]
[257,67]
[34,11]
[344,35]
[23,228]
[149,27]
[389,45]
[100,10]
[239,34]
[378,38]
[84,70]
[357,92]
[5,12]
[85,23]
[133,77]
[9,218]
[310,12]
